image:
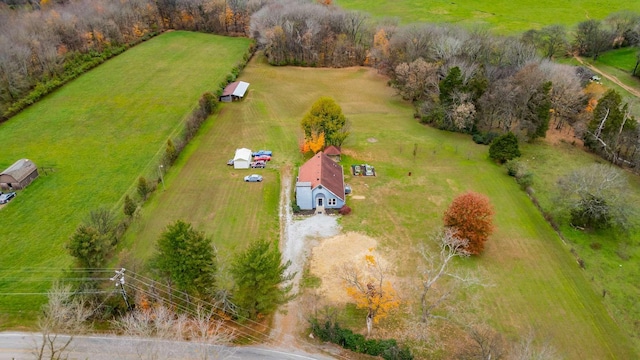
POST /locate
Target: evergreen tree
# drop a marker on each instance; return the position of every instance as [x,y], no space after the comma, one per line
[504,147]
[89,247]
[186,257]
[542,109]
[260,277]
[450,85]
[94,239]
[143,187]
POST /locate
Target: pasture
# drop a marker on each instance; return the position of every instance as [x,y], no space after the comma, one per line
[502,16]
[99,133]
[535,280]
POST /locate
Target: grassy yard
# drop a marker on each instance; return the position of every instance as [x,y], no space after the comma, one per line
[98,133]
[536,281]
[503,16]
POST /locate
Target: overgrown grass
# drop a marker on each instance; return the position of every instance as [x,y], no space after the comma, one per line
[535,279]
[611,259]
[99,133]
[503,16]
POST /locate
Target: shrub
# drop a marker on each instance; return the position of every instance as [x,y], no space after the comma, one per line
[484,138]
[332,332]
[345,210]
[525,180]
[513,167]
[130,206]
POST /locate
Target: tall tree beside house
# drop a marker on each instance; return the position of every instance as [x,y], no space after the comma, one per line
[470,217]
[185,257]
[326,117]
[260,280]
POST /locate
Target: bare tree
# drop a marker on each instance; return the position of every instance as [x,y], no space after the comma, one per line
[65,314]
[526,349]
[484,344]
[595,197]
[436,268]
[202,330]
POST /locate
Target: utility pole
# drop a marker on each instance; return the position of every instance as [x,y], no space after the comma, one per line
[119,279]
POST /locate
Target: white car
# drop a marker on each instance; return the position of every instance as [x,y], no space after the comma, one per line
[4,198]
[253,178]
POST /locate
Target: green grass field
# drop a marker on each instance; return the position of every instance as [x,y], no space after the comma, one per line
[503,16]
[536,282]
[99,133]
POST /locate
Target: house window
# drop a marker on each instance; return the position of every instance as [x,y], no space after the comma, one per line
[332,202]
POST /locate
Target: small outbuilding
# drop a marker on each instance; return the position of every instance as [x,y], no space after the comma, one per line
[333,152]
[234,91]
[19,175]
[242,159]
[320,184]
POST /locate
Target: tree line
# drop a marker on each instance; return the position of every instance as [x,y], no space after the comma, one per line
[46,43]
[461,80]
[469,81]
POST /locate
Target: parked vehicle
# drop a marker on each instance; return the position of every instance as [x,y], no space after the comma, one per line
[230,162]
[5,198]
[262,152]
[253,178]
[347,189]
[262,157]
[258,164]
[368,170]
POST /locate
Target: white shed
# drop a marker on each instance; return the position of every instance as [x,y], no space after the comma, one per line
[242,159]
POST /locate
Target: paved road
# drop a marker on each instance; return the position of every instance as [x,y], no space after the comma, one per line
[19,346]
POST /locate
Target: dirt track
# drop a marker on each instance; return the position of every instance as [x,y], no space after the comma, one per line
[609,77]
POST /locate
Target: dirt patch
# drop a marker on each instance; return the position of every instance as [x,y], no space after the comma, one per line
[372,140]
[565,134]
[332,253]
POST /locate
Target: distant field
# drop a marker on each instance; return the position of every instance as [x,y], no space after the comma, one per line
[536,282]
[503,16]
[98,133]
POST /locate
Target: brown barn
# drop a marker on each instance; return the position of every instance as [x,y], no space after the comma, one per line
[18,175]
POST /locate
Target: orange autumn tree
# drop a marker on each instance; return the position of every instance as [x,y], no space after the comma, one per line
[367,285]
[470,217]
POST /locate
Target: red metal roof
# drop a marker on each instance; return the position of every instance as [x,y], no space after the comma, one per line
[332,150]
[229,89]
[321,170]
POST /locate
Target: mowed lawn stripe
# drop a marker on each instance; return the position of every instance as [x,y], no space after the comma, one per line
[99,133]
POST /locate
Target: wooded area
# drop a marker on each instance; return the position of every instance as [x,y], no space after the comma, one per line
[46,43]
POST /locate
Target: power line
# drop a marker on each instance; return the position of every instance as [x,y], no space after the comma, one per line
[135,276]
[64,293]
[191,312]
